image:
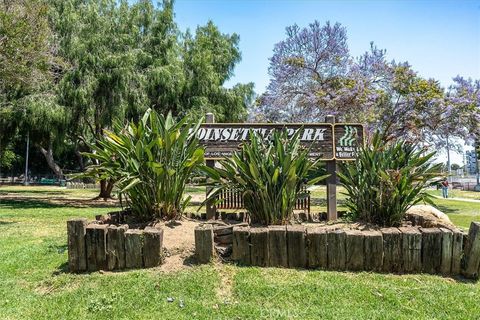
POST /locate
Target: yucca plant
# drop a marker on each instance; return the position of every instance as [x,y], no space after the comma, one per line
[386,180]
[151,162]
[270,176]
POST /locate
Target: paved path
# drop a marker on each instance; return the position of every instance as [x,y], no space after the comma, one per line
[459,199]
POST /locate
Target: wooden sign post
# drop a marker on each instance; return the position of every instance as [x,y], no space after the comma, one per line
[331,183]
[210,118]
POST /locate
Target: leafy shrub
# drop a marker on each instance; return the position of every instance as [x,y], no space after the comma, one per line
[151,162]
[386,180]
[270,176]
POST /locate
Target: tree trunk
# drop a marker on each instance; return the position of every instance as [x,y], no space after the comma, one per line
[79,158]
[106,187]
[48,154]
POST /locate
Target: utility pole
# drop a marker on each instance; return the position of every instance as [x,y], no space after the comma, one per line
[26,159]
[449,167]
[475,153]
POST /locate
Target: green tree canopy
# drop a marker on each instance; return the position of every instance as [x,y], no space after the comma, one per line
[122,59]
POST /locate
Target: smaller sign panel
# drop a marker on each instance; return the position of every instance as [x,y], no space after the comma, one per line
[348,139]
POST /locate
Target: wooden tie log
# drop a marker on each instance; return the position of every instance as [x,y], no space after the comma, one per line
[336,249]
[224,239]
[317,248]
[241,245]
[133,248]
[392,250]
[259,246]
[354,245]
[77,255]
[96,245]
[222,230]
[411,249]
[152,247]
[277,246]
[431,250]
[296,250]
[373,250]
[116,247]
[447,250]
[457,251]
[472,252]
[204,248]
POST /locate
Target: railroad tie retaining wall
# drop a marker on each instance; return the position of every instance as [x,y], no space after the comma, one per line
[402,250]
[93,247]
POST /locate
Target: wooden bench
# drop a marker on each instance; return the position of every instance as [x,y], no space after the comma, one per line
[232,199]
[457,185]
[48,182]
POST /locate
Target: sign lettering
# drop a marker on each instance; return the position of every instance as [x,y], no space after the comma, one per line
[221,139]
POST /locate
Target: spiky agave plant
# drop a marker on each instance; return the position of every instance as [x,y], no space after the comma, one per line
[151,162]
[386,180]
[270,175]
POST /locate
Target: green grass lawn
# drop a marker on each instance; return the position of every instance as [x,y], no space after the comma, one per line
[456,193]
[461,213]
[35,284]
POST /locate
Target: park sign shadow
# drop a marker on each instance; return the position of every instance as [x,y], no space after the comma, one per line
[325,141]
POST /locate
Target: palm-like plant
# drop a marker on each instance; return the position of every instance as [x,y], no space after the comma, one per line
[269,175]
[386,180]
[151,162]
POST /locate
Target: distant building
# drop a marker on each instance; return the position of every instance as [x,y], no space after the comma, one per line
[471,162]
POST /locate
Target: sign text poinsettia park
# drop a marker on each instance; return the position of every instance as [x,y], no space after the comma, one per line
[326,141]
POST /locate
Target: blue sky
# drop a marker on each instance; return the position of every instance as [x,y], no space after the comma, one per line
[440,39]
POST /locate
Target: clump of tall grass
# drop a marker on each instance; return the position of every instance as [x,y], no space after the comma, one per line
[387,179]
[269,174]
[150,162]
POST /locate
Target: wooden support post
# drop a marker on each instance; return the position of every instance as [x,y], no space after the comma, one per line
[317,248]
[411,249]
[133,248]
[210,207]
[152,247]
[259,246]
[331,182]
[77,255]
[354,246]
[447,249]
[472,252]
[277,246]
[204,247]
[241,245]
[336,249]
[96,243]
[373,249]
[116,247]
[431,250]
[457,251]
[392,250]
[296,249]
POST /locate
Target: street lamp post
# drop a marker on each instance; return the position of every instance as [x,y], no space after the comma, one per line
[26,160]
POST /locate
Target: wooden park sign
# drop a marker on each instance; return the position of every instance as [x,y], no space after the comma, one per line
[328,141]
[324,140]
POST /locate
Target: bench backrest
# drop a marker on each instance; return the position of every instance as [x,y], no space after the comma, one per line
[232,199]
